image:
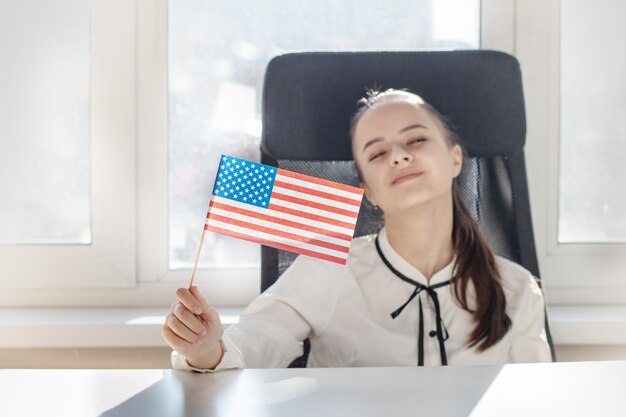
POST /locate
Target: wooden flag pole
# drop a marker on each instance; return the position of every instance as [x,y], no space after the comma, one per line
[195,265]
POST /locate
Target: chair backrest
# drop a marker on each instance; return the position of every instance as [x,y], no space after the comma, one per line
[309,99]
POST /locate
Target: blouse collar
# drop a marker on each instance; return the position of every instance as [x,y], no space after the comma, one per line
[409,270]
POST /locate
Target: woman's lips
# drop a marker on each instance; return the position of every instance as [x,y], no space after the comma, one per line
[406,176]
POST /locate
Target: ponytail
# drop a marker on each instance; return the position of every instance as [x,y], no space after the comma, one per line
[476,262]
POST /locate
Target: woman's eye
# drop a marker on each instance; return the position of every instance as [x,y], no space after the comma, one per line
[415,140]
[376,155]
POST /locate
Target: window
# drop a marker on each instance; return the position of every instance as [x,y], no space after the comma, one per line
[592,125]
[217,53]
[44,124]
[573,86]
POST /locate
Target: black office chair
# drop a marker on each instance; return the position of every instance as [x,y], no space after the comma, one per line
[309,98]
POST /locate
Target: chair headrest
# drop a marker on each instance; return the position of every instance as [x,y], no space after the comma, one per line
[309,98]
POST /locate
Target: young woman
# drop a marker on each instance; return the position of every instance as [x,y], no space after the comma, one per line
[426,290]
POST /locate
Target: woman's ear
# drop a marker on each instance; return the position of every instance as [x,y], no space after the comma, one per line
[457,160]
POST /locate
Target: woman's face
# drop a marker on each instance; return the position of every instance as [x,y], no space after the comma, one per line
[404,157]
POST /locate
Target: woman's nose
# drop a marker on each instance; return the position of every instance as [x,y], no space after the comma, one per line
[400,156]
[397,161]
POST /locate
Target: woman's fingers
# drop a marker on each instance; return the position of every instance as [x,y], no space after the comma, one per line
[208,312]
[189,300]
[192,321]
[181,330]
[178,344]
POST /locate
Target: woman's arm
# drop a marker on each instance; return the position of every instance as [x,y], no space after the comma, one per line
[529,335]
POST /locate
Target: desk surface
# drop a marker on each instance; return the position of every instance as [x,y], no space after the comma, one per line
[567,389]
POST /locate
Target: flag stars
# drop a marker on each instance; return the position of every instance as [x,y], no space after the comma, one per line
[244,181]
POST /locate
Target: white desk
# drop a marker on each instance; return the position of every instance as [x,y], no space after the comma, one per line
[533,390]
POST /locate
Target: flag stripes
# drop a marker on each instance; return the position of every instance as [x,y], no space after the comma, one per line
[226,209]
[274,243]
[290,197]
[288,208]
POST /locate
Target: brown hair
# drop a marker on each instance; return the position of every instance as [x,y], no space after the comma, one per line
[475,261]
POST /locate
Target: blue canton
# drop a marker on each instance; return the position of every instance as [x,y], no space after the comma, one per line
[244,181]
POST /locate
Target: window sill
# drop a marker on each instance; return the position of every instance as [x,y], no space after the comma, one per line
[88,327]
[588,325]
[141,327]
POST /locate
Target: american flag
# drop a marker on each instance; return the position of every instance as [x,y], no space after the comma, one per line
[283,209]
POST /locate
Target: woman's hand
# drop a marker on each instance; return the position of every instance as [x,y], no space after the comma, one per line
[193,329]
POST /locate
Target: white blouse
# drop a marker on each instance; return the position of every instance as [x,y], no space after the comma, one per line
[345,311]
